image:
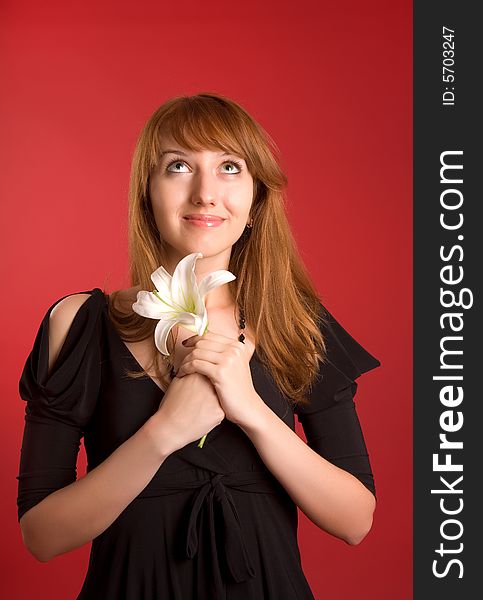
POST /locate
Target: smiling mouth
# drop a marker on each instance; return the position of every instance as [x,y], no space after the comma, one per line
[205,218]
[206,223]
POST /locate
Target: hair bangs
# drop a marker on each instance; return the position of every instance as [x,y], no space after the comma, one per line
[205,123]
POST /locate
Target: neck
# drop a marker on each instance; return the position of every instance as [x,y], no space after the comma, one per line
[218,299]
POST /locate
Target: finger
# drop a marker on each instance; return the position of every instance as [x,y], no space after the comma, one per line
[208,345]
[212,356]
[197,366]
[210,335]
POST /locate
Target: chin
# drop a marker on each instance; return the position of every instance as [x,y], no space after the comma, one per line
[210,251]
[207,244]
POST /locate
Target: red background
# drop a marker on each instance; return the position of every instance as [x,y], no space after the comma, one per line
[332,83]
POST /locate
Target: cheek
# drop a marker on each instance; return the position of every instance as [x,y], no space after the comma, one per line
[240,201]
[166,199]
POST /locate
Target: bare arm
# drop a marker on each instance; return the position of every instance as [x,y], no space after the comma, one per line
[332,498]
[77,513]
[74,515]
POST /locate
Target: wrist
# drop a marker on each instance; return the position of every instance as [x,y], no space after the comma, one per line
[257,418]
[155,431]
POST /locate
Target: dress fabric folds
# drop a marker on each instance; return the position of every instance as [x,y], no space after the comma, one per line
[213,523]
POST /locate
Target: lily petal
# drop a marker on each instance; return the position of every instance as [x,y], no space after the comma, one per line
[184,284]
[179,299]
[149,305]
[204,326]
[191,321]
[187,320]
[162,280]
[200,308]
[161,333]
[213,280]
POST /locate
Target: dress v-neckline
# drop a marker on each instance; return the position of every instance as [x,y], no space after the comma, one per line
[130,354]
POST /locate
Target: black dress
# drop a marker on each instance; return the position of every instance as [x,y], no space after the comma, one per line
[213,523]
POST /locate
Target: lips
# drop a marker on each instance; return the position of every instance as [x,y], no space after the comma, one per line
[205,218]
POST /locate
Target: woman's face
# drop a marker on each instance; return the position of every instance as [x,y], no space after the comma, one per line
[207,182]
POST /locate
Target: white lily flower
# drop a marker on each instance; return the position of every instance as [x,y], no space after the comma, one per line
[178,299]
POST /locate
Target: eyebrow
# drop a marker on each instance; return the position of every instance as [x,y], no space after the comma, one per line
[174,151]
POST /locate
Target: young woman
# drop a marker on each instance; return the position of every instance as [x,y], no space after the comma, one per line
[169,519]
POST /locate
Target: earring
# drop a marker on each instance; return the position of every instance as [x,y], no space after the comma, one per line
[251,223]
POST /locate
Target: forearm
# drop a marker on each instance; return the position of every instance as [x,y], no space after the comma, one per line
[332,498]
[74,515]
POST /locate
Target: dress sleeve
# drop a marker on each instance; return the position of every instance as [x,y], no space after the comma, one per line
[59,405]
[330,420]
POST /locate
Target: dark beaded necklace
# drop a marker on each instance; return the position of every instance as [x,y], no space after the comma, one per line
[241,337]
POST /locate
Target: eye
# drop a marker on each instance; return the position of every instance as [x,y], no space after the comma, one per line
[176,161]
[235,163]
[231,163]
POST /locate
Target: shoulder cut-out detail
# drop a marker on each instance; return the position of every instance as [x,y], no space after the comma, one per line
[69,391]
[60,321]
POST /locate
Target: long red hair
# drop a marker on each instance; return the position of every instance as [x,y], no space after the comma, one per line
[272,285]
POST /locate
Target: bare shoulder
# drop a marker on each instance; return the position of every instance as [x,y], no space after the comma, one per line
[60,321]
[67,306]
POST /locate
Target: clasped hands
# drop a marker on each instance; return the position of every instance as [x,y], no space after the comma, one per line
[226,362]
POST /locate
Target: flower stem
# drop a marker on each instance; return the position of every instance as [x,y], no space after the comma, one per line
[202,441]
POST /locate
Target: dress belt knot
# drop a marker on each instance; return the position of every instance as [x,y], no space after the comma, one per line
[224,528]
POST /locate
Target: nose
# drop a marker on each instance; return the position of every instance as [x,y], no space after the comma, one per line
[205,189]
